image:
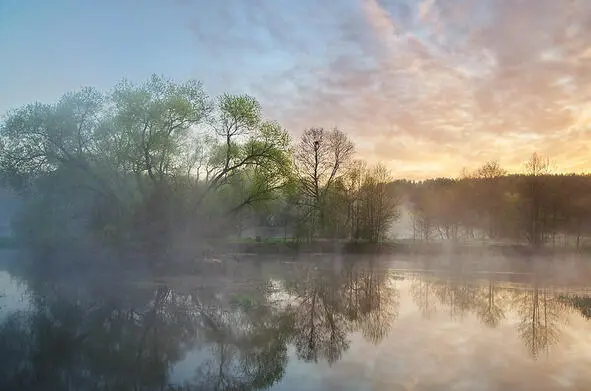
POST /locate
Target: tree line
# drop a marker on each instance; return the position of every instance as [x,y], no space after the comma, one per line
[162,167]
[535,207]
[161,164]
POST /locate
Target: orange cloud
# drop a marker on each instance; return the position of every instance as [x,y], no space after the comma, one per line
[435,85]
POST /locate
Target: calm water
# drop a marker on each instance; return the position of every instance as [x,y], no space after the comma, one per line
[321,324]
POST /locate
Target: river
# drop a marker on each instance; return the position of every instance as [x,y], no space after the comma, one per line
[319,323]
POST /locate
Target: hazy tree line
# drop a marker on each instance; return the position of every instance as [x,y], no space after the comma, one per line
[161,165]
[535,207]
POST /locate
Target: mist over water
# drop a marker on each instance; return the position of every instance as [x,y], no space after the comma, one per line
[321,322]
[261,225]
[250,215]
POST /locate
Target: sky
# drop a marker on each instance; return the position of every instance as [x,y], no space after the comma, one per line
[425,86]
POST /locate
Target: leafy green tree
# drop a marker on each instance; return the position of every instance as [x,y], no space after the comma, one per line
[153,122]
[143,161]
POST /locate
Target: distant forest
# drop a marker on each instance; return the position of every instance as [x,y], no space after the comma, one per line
[536,207]
[163,168]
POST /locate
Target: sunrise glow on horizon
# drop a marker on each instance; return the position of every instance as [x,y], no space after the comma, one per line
[427,87]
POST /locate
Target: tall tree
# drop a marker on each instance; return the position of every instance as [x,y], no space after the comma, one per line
[249,151]
[490,196]
[156,118]
[144,160]
[37,139]
[536,168]
[321,157]
[378,204]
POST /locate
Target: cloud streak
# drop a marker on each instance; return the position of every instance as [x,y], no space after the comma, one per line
[428,86]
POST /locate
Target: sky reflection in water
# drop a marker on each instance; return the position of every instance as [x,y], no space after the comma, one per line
[301,326]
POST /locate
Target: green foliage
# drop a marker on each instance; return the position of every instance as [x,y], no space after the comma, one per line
[38,138]
[145,161]
[141,160]
[152,124]
[238,113]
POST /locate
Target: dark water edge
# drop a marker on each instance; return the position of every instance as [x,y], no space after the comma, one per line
[407,247]
[77,260]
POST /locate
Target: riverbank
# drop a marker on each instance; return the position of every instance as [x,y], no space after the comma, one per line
[205,257]
[291,247]
[286,247]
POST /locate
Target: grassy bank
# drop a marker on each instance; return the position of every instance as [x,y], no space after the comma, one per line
[281,246]
[288,247]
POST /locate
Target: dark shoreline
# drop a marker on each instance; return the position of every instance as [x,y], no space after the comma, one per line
[391,248]
[71,261]
[290,247]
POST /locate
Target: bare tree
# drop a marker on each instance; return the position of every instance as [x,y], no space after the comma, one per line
[320,158]
[491,197]
[379,203]
[490,170]
[536,167]
[353,183]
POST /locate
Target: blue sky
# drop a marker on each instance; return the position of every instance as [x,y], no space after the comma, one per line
[427,86]
[54,46]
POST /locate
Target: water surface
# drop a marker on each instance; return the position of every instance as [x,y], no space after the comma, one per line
[326,323]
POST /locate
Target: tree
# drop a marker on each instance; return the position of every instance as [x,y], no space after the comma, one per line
[154,119]
[37,139]
[490,195]
[147,132]
[378,204]
[353,182]
[262,160]
[249,165]
[320,159]
[490,170]
[143,161]
[536,167]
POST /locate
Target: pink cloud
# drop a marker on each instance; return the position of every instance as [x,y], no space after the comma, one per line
[446,83]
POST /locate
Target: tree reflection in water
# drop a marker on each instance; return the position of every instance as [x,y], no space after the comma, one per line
[245,345]
[581,304]
[99,336]
[541,314]
[422,292]
[72,342]
[327,307]
[540,317]
[490,311]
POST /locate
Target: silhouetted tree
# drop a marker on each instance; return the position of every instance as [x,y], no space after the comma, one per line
[321,158]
